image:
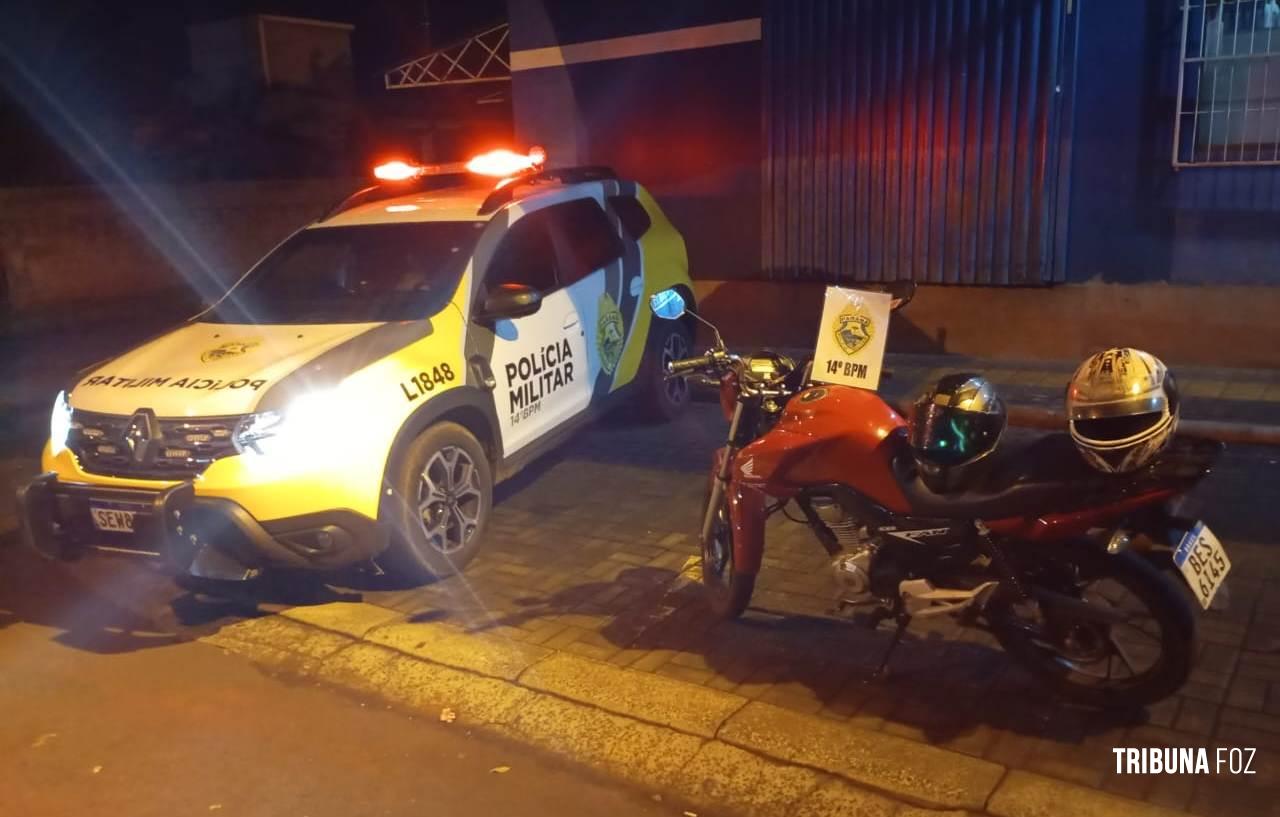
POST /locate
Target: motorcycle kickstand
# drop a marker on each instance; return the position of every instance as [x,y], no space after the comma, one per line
[882,671]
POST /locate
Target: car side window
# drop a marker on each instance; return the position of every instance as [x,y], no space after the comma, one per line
[583,237]
[635,219]
[525,255]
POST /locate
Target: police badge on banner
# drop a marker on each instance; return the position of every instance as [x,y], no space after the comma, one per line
[851,337]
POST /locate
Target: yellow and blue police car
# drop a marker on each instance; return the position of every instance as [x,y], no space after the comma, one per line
[356,395]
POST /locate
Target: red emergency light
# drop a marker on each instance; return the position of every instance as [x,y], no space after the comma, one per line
[502,164]
[505,163]
[397,171]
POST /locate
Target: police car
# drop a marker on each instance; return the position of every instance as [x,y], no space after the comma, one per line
[358,393]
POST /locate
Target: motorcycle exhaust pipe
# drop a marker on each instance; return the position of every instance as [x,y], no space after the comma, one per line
[1078,607]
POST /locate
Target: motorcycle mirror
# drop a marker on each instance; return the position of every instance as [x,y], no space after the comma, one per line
[667,304]
[900,293]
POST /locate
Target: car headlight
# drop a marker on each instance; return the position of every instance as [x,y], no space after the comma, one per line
[59,423]
[319,423]
[256,432]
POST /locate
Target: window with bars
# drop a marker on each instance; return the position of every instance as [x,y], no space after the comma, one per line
[1229,88]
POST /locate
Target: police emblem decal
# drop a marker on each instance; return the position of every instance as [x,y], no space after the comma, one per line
[610,333]
[853,329]
[232,348]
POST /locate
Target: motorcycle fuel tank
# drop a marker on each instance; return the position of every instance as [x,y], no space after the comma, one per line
[831,434]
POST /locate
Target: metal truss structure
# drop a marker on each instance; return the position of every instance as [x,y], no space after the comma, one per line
[485,57]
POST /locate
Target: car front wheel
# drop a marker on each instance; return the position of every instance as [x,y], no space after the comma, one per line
[443,490]
[666,398]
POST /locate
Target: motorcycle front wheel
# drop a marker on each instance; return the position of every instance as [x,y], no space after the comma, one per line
[1143,656]
[728,590]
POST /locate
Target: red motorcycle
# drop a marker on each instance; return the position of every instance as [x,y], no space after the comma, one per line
[1062,563]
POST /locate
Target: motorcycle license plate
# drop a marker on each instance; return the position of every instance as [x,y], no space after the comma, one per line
[112,520]
[1203,562]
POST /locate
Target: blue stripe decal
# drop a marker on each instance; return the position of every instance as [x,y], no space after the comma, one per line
[1187,544]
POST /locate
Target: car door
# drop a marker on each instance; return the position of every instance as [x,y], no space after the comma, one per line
[539,361]
[590,262]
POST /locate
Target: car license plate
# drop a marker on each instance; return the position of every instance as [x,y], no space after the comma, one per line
[112,520]
[1203,562]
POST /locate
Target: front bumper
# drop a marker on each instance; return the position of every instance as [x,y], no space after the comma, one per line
[210,537]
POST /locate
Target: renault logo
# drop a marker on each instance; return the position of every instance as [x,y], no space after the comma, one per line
[139,434]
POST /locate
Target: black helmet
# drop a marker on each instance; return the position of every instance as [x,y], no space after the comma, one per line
[955,424]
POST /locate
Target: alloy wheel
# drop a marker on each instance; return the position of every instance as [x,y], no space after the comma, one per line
[449,499]
[675,348]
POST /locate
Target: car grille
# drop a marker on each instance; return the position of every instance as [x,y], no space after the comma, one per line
[158,448]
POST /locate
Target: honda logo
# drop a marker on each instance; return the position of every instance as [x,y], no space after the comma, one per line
[140,433]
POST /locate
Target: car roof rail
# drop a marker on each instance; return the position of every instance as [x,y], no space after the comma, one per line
[378,192]
[506,193]
[501,195]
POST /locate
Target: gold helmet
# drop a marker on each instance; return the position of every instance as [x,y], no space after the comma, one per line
[1122,409]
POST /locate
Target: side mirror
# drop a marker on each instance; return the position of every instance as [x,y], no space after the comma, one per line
[901,293]
[667,304]
[510,301]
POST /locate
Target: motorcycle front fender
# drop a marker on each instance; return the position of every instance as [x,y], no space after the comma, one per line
[747,505]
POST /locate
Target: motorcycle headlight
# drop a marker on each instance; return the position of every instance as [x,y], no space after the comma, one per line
[59,423]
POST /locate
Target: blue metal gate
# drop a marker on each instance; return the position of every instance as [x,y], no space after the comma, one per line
[915,139]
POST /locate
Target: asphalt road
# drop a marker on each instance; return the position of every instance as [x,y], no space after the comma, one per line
[114,728]
[112,707]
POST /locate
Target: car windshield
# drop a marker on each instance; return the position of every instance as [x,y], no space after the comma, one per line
[377,272]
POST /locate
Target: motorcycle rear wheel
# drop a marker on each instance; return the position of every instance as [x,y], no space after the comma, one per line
[1077,657]
[728,590]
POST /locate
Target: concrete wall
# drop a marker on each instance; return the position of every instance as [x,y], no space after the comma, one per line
[1184,325]
[1133,218]
[69,250]
[684,123]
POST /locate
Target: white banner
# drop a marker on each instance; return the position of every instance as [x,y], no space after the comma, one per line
[851,337]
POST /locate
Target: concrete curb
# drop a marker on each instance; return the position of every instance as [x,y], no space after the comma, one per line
[1238,433]
[714,748]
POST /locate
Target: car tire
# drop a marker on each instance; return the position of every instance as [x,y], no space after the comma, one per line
[665,400]
[443,491]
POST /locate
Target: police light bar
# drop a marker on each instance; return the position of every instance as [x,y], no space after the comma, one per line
[505,163]
[397,171]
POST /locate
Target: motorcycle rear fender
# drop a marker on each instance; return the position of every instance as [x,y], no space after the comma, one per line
[1074,524]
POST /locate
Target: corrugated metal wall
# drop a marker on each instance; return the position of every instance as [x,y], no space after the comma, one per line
[913,139]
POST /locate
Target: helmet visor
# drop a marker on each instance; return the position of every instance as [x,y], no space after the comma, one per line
[1119,408]
[1118,429]
[947,436]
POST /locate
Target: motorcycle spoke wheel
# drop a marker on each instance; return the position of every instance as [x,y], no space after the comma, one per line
[717,552]
[1103,652]
[728,590]
[1130,662]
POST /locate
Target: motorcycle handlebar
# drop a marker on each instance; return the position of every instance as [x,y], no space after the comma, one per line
[689,365]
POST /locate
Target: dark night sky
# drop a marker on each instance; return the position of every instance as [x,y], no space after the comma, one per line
[113,65]
[131,50]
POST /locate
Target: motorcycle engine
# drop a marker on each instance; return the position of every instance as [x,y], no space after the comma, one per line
[852,566]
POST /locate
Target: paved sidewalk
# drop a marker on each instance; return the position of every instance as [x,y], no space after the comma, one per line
[586,575]
[587,558]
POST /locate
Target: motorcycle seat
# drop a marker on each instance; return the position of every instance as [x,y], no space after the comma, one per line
[1046,474]
[1030,478]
